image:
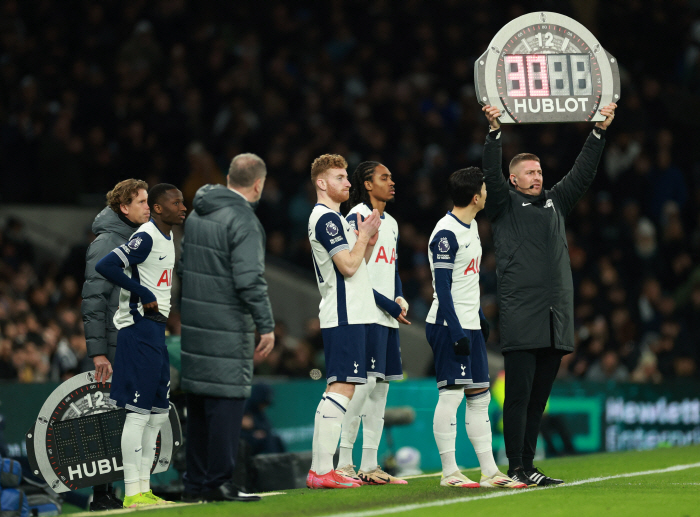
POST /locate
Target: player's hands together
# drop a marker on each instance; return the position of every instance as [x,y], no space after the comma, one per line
[369,227]
[609,113]
[492,114]
[267,343]
[103,368]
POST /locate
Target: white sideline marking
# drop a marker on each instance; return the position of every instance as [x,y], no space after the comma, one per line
[434,474]
[418,506]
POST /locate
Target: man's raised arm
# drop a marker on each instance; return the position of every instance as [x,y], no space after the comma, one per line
[498,198]
[577,181]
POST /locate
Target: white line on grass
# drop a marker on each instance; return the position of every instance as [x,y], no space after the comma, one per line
[418,506]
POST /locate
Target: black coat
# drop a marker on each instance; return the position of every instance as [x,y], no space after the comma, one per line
[535,288]
[224,294]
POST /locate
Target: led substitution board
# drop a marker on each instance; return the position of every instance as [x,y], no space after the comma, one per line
[546,67]
[76,439]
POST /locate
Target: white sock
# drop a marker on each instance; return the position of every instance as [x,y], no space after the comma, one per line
[479,431]
[373,425]
[134,426]
[148,441]
[445,428]
[314,443]
[351,421]
[329,427]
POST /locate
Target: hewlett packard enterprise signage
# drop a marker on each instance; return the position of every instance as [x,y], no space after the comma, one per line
[546,67]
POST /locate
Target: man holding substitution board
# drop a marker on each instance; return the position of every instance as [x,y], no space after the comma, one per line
[535,287]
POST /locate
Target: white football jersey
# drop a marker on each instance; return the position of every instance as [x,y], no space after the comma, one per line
[344,301]
[149,258]
[456,246]
[382,265]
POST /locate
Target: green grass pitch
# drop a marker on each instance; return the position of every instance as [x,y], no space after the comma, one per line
[663,482]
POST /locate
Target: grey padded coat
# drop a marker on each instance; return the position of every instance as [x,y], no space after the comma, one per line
[100,296]
[224,294]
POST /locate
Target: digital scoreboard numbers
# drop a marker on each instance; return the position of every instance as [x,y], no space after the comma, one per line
[76,439]
[546,67]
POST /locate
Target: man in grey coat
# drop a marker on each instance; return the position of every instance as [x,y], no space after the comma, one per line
[535,288]
[126,210]
[224,300]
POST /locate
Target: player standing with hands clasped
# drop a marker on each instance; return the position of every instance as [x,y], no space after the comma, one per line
[372,188]
[536,292]
[346,311]
[457,331]
[143,268]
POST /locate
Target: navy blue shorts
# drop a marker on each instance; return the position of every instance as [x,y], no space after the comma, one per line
[471,371]
[345,351]
[384,353]
[141,377]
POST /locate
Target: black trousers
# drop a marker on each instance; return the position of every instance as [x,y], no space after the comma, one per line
[213,432]
[530,375]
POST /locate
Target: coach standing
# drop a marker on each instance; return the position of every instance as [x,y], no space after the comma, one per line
[224,299]
[127,209]
[535,288]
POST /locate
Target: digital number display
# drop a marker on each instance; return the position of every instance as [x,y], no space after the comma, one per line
[547,75]
[88,438]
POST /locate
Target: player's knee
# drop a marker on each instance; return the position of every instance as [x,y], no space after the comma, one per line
[479,400]
[157,420]
[342,388]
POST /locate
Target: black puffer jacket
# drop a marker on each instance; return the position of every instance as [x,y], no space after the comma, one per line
[100,296]
[224,294]
[535,288]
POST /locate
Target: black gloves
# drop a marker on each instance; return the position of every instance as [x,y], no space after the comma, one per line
[485,329]
[463,347]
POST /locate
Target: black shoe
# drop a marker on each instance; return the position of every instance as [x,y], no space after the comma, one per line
[518,474]
[228,492]
[106,501]
[190,497]
[538,477]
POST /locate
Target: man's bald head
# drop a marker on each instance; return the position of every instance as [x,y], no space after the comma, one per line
[245,169]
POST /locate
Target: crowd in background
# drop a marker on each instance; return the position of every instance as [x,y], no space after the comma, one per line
[170,90]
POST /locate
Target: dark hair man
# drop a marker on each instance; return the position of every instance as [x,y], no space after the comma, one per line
[127,209]
[346,311]
[536,293]
[457,333]
[372,188]
[224,300]
[143,268]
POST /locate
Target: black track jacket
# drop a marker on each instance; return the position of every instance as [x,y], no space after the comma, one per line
[535,288]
